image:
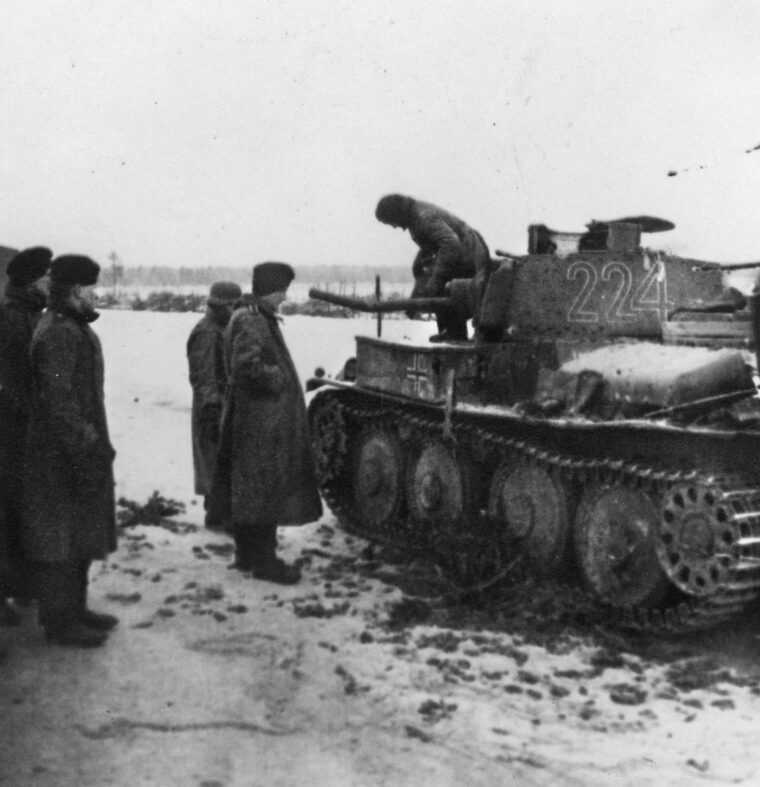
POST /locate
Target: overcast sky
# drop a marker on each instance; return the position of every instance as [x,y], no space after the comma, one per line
[201,132]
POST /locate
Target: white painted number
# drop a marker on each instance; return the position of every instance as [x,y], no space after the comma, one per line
[578,311]
[649,294]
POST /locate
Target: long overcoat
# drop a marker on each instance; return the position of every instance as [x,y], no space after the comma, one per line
[205,357]
[265,468]
[68,481]
[19,314]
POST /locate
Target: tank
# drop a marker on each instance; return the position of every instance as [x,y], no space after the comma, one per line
[602,425]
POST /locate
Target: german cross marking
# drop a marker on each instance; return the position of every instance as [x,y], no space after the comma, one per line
[417,373]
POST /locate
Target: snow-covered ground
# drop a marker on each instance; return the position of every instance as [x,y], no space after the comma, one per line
[216,680]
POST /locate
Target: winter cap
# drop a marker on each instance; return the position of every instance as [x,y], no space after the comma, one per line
[394,209]
[74,269]
[269,277]
[223,293]
[29,265]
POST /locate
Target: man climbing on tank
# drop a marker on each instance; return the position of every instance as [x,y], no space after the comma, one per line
[448,249]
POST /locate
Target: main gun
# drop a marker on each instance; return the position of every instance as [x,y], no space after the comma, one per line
[377,306]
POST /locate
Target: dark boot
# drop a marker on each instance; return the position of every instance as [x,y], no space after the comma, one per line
[9,615]
[98,621]
[69,630]
[57,588]
[267,565]
[277,570]
[212,520]
[452,326]
[245,546]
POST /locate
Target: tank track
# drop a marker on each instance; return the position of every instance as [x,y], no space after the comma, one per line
[736,588]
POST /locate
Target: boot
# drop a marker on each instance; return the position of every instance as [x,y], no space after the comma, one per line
[277,570]
[9,615]
[69,630]
[241,563]
[212,520]
[244,547]
[98,621]
[267,565]
[218,526]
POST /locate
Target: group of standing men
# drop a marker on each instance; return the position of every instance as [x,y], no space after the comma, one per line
[253,461]
[56,479]
[251,448]
[57,512]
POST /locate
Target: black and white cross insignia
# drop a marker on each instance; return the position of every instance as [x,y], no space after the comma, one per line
[417,373]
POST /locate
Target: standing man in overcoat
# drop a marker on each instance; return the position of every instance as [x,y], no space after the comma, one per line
[208,378]
[68,483]
[20,312]
[448,249]
[265,470]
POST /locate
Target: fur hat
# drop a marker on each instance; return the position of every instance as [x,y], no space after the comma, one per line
[394,209]
[269,277]
[223,293]
[29,265]
[74,269]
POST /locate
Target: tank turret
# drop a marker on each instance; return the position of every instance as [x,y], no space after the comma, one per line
[603,420]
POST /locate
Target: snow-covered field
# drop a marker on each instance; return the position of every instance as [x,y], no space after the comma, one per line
[215,680]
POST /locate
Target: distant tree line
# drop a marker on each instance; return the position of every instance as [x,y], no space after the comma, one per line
[172,301]
[165,276]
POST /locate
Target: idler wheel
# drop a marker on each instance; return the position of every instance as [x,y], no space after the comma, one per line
[438,489]
[697,532]
[616,531]
[530,507]
[378,478]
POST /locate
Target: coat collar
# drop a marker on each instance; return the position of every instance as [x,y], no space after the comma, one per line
[262,307]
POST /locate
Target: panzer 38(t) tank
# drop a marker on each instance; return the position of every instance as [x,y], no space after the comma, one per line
[604,422]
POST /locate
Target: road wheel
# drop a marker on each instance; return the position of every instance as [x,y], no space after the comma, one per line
[439,487]
[378,479]
[530,509]
[615,540]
